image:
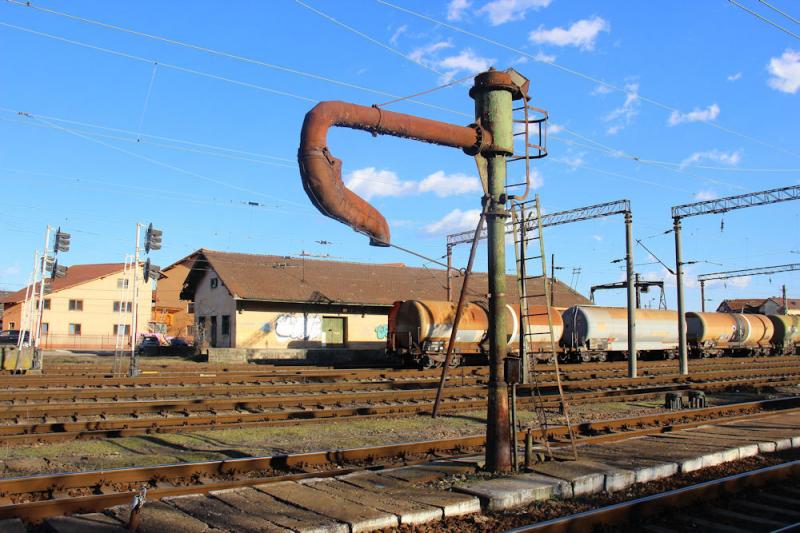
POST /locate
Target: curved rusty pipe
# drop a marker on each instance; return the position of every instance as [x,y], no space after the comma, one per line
[322,173]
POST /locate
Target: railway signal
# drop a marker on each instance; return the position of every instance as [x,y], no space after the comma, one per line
[58,271]
[150,271]
[152,239]
[61,243]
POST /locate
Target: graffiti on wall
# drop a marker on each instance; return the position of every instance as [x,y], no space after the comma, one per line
[381,331]
[296,326]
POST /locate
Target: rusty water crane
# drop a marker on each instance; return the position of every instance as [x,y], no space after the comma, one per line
[491,140]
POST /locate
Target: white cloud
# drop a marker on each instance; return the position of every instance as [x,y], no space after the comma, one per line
[696,115]
[541,57]
[725,158]
[397,33]
[582,34]
[371,183]
[735,77]
[454,221]
[601,89]
[421,54]
[705,195]
[537,180]
[466,61]
[598,238]
[573,161]
[442,184]
[554,128]
[623,116]
[502,11]
[785,72]
[456,8]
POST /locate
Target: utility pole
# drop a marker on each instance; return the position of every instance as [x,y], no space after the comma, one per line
[37,351]
[493,93]
[683,354]
[133,370]
[632,289]
[638,291]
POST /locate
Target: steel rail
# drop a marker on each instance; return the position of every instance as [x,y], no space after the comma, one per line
[38,497]
[60,431]
[640,509]
[286,397]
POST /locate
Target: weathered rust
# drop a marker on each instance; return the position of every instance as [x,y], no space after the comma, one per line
[321,172]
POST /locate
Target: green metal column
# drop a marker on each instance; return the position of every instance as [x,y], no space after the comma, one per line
[493,93]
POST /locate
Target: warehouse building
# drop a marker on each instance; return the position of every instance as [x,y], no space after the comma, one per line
[86,307]
[271,303]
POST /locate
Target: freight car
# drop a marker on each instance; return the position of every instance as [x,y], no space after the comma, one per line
[419,331]
[594,333]
[715,334]
[786,340]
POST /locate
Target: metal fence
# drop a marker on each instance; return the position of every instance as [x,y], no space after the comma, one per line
[83,342]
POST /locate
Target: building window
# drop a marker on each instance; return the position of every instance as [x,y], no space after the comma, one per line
[76,305]
[11,325]
[122,283]
[74,329]
[214,283]
[190,307]
[126,329]
[226,325]
[45,328]
[46,304]
[125,307]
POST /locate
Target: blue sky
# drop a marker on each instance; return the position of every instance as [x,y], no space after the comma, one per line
[701,102]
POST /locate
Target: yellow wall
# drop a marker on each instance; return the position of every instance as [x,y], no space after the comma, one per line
[97,319]
[286,329]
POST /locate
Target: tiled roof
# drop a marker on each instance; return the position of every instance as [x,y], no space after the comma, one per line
[76,274]
[286,279]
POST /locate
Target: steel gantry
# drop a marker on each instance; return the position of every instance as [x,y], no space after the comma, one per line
[759,271]
[710,207]
[618,207]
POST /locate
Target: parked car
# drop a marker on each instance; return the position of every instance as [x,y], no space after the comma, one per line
[11,336]
[177,341]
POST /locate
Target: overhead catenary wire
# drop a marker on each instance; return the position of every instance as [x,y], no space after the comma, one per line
[206,50]
[788,16]
[765,19]
[165,165]
[578,73]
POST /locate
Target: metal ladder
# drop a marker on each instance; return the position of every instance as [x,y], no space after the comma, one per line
[530,123]
[527,228]
[120,345]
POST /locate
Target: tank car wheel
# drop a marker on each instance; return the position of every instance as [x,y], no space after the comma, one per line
[585,357]
[455,361]
[602,357]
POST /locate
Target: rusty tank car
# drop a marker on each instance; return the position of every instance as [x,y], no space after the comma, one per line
[420,330]
[715,334]
[786,340]
[595,333]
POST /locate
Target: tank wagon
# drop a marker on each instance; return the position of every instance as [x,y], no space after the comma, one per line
[714,334]
[594,333]
[786,340]
[419,331]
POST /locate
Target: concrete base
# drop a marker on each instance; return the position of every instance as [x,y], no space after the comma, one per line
[505,493]
[586,478]
[299,356]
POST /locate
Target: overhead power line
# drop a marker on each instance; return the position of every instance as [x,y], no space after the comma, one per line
[578,73]
[788,16]
[203,49]
[765,19]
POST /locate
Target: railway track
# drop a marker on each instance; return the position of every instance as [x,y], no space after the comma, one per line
[767,499]
[34,498]
[85,414]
